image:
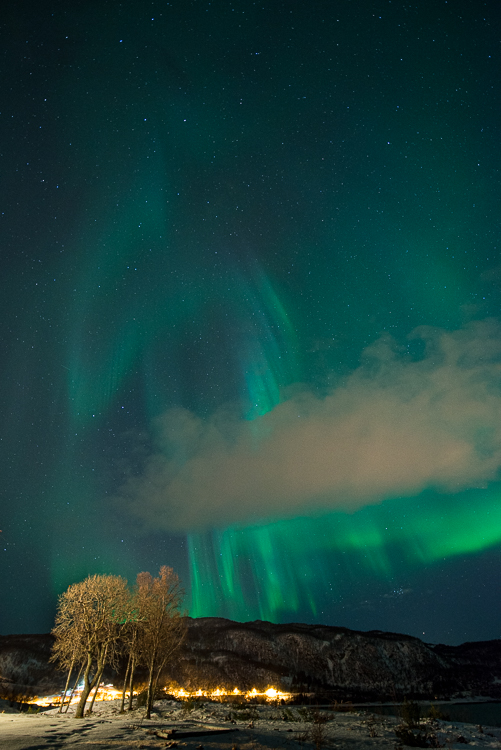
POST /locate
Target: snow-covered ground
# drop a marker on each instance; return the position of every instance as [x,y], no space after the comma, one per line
[223,726]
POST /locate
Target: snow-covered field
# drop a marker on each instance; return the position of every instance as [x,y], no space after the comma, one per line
[223,726]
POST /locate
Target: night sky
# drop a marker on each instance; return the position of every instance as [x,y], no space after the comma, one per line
[250,304]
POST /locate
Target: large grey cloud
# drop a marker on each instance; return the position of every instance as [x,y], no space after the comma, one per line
[395,427]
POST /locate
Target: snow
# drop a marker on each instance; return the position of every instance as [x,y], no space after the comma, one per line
[218,727]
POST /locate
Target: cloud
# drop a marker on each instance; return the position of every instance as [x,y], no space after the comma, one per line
[397,426]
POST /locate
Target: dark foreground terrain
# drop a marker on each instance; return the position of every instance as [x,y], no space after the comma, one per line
[218,726]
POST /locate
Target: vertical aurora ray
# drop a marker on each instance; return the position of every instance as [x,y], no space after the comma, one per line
[307,564]
[268,360]
[203,217]
[108,313]
[221,561]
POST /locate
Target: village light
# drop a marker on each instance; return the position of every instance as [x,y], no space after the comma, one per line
[108,693]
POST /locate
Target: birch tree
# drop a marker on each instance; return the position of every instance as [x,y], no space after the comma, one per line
[90,618]
[163,627]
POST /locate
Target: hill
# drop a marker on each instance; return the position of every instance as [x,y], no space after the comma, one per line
[347,664]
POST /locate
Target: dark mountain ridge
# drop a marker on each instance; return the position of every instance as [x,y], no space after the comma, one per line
[300,658]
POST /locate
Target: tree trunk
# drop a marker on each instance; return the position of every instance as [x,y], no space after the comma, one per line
[159,670]
[86,689]
[97,683]
[149,698]
[74,686]
[63,697]
[131,682]
[92,698]
[122,705]
[97,677]
[89,684]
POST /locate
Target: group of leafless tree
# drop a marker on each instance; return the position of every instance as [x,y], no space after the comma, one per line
[100,620]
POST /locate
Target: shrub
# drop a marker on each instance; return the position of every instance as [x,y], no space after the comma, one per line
[436,713]
[288,715]
[416,739]
[410,713]
[318,734]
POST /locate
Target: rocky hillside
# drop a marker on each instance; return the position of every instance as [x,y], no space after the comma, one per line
[25,668]
[347,664]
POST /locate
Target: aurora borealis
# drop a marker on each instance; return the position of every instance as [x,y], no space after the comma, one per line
[251,315]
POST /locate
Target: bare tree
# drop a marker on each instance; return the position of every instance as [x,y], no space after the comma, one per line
[163,627]
[90,618]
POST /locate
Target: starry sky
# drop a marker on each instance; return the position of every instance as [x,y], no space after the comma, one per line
[250,303]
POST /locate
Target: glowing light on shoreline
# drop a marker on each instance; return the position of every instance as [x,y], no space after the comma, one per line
[109,693]
[104,693]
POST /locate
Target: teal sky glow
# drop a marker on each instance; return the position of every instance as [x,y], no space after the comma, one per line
[251,309]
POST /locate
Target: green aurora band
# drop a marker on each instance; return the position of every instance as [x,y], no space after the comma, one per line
[272,570]
[208,206]
[293,562]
